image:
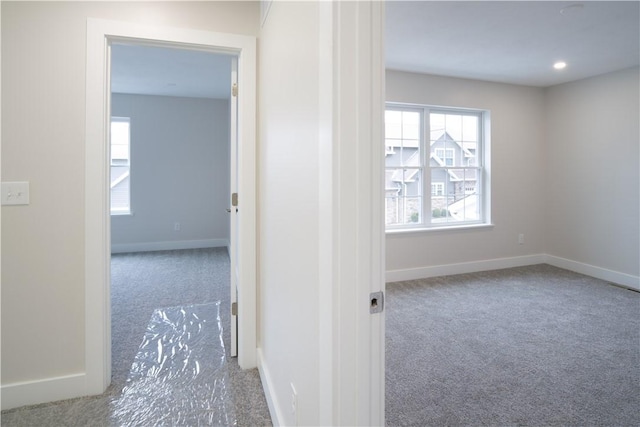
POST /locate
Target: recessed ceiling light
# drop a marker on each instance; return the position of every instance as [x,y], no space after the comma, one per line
[560,65]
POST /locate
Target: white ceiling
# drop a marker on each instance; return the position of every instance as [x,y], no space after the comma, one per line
[512,41]
[150,70]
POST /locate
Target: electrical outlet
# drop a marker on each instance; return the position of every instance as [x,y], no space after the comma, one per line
[294,404]
[521,239]
[176,226]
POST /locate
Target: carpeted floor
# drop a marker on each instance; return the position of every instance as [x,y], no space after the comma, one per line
[533,346]
[530,346]
[141,283]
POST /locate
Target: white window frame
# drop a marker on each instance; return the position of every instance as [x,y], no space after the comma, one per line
[483,160]
[412,169]
[127,210]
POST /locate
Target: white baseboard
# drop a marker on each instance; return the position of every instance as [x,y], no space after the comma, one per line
[461,268]
[623,279]
[616,277]
[43,391]
[269,394]
[169,245]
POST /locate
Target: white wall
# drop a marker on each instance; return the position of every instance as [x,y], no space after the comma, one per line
[592,172]
[320,211]
[179,173]
[517,163]
[288,207]
[564,169]
[43,133]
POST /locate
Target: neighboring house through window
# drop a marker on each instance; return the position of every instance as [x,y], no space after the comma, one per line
[120,166]
[446,155]
[437,188]
[441,149]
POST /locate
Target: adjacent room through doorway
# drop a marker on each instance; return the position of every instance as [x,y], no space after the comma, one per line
[171,170]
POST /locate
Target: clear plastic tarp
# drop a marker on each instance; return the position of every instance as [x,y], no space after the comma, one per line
[180,374]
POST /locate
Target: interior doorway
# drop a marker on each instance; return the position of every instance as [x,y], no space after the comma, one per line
[169,188]
[101,36]
[170,185]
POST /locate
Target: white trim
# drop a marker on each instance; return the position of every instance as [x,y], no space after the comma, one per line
[100,33]
[42,391]
[463,267]
[1,209]
[269,391]
[97,209]
[461,227]
[357,222]
[622,279]
[327,359]
[168,245]
[377,260]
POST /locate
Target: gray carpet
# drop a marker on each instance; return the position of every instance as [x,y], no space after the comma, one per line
[534,346]
[142,282]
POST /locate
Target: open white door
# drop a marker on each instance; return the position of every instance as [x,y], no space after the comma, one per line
[233,205]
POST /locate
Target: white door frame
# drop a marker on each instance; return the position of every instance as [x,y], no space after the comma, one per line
[100,34]
[233,210]
[352,210]
[360,238]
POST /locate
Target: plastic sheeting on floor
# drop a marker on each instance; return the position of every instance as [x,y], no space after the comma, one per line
[179,376]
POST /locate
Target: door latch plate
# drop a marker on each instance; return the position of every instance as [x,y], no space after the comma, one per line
[376,302]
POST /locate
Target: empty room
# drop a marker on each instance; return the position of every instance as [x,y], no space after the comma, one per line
[496,186]
[445,232]
[170,228]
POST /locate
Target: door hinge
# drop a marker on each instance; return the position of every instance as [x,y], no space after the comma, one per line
[234,308]
[234,89]
[376,302]
[234,199]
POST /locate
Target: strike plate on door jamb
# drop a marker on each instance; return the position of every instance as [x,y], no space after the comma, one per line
[376,300]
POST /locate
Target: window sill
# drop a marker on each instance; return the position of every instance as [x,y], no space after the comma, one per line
[128,213]
[464,227]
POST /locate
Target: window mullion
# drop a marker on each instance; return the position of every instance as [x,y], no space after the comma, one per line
[425,142]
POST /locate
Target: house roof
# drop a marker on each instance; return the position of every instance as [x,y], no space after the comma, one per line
[446,137]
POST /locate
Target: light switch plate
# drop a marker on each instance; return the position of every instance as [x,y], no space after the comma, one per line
[15,193]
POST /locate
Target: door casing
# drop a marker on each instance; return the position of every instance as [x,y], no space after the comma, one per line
[100,35]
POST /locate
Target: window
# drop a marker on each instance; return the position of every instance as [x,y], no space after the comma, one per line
[441,149]
[446,155]
[120,166]
[437,188]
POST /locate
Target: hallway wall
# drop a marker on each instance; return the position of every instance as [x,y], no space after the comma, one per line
[43,136]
